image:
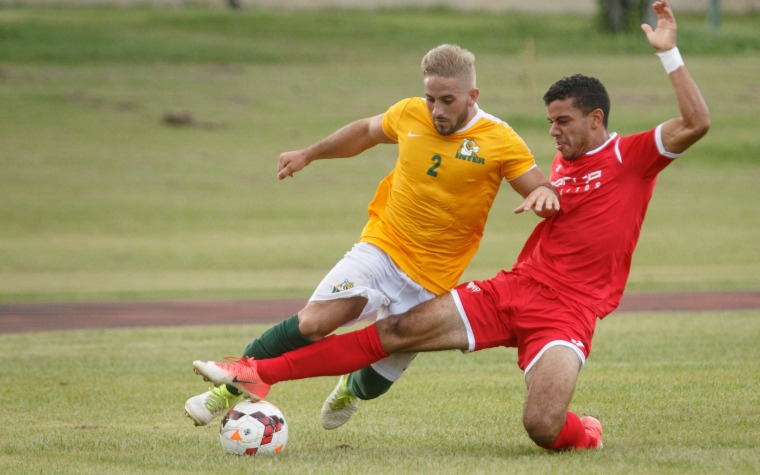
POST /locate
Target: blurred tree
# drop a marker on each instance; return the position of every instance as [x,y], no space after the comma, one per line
[619,16]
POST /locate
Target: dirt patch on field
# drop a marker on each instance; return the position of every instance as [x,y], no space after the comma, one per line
[16,318]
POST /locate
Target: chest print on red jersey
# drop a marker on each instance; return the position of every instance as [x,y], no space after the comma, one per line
[575,185]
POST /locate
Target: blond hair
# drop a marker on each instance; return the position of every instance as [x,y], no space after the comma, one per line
[450,61]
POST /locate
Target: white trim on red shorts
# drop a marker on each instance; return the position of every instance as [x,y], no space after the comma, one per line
[577,350]
[463,316]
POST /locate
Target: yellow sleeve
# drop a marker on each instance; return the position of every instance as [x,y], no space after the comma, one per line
[393,116]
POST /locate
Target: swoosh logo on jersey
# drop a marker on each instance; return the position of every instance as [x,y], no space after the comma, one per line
[414,135]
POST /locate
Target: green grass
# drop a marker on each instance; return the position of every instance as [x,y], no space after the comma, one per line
[676,392]
[100,199]
[208,35]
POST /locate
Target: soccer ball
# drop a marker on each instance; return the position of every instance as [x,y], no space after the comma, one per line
[253,428]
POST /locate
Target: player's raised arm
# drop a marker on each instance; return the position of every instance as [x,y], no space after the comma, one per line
[680,133]
[347,141]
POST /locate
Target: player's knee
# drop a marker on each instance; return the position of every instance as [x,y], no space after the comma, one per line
[319,320]
[542,427]
[313,327]
[392,333]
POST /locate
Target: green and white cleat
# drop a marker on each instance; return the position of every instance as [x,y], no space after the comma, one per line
[204,408]
[339,406]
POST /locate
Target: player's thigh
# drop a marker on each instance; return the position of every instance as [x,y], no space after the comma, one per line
[431,326]
[349,292]
[551,383]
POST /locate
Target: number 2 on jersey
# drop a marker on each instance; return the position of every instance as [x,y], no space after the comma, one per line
[436,163]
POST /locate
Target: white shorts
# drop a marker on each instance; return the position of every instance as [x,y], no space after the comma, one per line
[367,271]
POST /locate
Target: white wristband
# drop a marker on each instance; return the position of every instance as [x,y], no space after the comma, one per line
[671,59]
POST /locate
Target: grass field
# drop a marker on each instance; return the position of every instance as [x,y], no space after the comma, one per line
[677,393]
[101,199]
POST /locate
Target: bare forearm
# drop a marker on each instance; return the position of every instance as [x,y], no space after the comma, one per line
[348,141]
[680,133]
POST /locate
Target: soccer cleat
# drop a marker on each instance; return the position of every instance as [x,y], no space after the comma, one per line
[339,406]
[594,430]
[203,408]
[241,374]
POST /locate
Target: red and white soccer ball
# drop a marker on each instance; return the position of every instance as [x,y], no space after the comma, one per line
[253,428]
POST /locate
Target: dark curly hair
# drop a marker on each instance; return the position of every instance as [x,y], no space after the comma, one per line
[587,93]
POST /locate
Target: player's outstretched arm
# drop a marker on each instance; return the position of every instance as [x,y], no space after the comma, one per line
[348,141]
[540,196]
[680,133]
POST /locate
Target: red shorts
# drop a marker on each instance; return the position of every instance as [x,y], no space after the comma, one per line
[515,311]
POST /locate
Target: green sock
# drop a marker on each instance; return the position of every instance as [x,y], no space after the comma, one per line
[367,384]
[279,339]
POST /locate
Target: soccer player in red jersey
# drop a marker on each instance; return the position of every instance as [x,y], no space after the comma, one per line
[571,272]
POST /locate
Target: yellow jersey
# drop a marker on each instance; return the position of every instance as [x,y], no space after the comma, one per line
[429,213]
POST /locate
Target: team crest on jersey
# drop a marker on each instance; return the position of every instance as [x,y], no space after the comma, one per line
[345,285]
[469,151]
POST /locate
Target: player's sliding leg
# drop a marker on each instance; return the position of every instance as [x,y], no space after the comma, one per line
[333,356]
[551,384]
[593,429]
[430,326]
[578,433]
[277,340]
[314,321]
[283,337]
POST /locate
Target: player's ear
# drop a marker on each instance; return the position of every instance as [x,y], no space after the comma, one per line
[597,118]
[474,93]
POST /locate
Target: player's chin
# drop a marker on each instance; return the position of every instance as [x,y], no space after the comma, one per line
[444,130]
[566,152]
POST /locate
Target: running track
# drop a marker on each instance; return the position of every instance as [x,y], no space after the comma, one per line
[15,318]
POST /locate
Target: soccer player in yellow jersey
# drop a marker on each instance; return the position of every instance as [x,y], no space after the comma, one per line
[425,222]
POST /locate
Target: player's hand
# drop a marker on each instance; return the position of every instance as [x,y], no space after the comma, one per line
[544,201]
[291,162]
[664,37]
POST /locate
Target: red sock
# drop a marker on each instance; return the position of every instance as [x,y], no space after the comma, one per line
[333,356]
[572,436]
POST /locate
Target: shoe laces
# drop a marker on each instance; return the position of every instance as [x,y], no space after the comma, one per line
[343,398]
[241,360]
[217,401]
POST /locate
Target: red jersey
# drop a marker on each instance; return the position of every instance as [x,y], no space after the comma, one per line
[584,251]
